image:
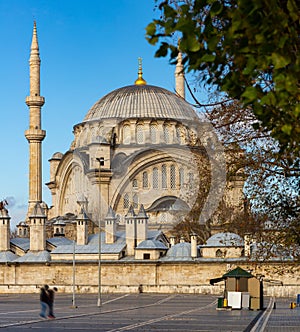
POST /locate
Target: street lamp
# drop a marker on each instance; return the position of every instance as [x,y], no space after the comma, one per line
[73,298]
[101,163]
[82,202]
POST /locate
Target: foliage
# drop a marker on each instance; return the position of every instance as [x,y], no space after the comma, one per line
[185,228]
[249,49]
[272,187]
[270,211]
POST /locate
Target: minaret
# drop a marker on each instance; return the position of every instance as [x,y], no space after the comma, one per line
[179,77]
[35,134]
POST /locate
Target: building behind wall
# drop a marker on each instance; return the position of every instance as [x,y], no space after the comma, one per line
[155,162]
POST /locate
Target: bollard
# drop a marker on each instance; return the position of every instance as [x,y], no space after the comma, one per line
[225,303]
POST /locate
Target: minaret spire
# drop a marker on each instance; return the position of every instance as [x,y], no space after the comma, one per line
[179,77]
[35,134]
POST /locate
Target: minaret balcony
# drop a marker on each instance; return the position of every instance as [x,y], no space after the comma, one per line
[35,101]
[35,134]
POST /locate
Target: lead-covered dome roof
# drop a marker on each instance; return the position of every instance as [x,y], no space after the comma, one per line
[226,239]
[141,101]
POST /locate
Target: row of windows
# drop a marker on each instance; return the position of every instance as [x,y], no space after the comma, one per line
[126,201]
[154,134]
[159,178]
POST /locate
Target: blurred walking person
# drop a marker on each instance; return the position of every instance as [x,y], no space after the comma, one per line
[51,293]
[44,300]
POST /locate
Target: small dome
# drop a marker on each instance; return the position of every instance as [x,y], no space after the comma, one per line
[151,244]
[224,240]
[141,101]
[59,222]
[57,155]
[180,250]
[22,224]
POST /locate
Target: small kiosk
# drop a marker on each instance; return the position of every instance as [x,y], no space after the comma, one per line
[242,290]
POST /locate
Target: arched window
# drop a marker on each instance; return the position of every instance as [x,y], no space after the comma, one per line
[164,176]
[140,134]
[153,133]
[155,178]
[172,177]
[126,201]
[163,218]
[181,178]
[145,180]
[134,184]
[126,134]
[135,201]
[219,253]
[166,132]
[191,180]
[178,135]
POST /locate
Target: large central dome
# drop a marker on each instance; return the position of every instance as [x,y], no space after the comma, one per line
[141,101]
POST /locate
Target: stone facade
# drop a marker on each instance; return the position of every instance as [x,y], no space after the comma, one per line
[170,277]
[156,160]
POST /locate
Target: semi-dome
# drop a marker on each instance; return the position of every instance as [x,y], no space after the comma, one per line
[141,101]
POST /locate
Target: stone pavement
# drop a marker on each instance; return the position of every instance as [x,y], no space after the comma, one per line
[283,318]
[142,312]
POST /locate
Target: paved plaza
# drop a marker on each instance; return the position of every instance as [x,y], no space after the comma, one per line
[144,312]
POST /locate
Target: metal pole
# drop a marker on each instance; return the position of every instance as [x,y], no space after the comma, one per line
[73,300]
[99,242]
[101,163]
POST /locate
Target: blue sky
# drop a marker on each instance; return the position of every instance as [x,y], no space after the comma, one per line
[88,48]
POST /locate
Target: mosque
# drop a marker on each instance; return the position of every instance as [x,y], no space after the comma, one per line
[136,165]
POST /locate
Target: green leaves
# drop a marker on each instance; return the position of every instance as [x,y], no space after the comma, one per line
[208,58]
[287,128]
[190,44]
[249,49]
[279,60]
[249,95]
[216,8]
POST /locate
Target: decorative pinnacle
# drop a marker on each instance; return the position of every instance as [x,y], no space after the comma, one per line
[140,80]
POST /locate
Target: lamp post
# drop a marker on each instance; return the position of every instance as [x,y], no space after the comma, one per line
[73,298]
[82,202]
[101,163]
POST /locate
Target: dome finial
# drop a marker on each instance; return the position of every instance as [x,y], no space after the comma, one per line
[140,80]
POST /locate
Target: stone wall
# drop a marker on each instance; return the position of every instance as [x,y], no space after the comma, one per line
[128,277]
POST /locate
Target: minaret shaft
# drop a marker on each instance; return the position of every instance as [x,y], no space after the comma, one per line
[179,77]
[35,134]
[35,172]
